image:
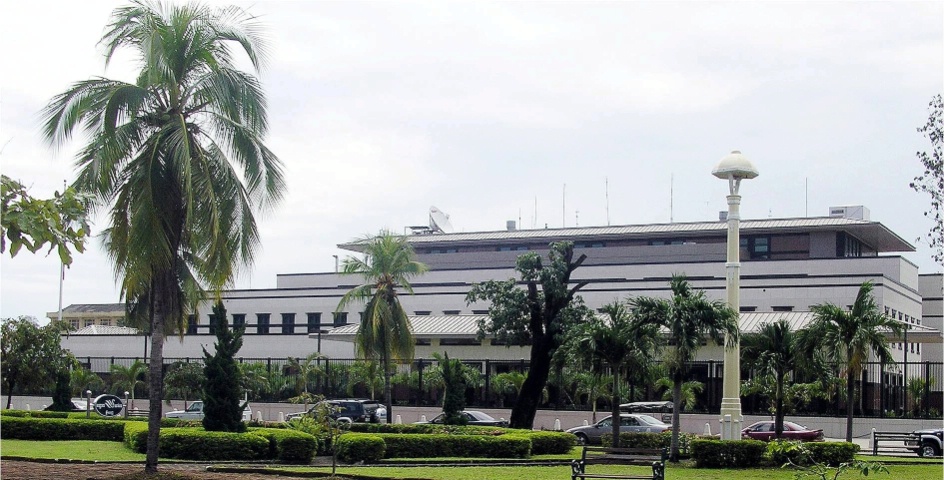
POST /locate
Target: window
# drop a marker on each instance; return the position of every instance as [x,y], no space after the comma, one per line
[666,241]
[847,245]
[314,322]
[288,323]
[212,323]
[756,247]
[442,250]
[512,248]
[422,312]
[239,320]
[782,308]
[89,322]
[262,323]
[459,341]
[191,324]
[589,245]
[451,312]
[340,319]
[103,322]
[74,323]
[748,309]
[479,312]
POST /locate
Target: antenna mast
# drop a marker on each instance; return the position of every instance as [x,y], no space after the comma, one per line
[606,181]
[564,207]
[671,198]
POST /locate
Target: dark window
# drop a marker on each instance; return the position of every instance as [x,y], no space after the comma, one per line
[262,323]
[782,308]
[479,312]
[512,248]
[748,309]
[288,323]
[213,322]
[422,341]
[459,341]
[847,245]
[666,241]
[239,320]
[340,318]
[756,247]
[422,313]
[442,250]
[451,312]
[191,324]
[589,245]
[314,322]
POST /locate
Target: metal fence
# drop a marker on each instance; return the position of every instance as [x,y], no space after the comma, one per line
[912,389]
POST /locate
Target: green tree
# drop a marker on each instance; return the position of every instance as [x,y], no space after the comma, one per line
[254,379]
[774,350]
[83,379]
[184,380]
[222,410]
[848,337]
[366,373]
[538,315]
[932,180]
[595,387]
[690,319]
[384,333]
[32,355]
[453,379]
[178,159]
[305,371]
[690,391]
[31,222]
[619,346]
[128,378]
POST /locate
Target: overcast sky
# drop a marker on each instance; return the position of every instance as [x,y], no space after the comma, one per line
[496,111]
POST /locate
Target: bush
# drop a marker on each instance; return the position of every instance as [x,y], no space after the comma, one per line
[34,413]
[198,444]
[427,428]
[640,440]
[360,447]
[135,436]
[29,428]
[727,454]
[543,443]
[289,446]
[832,453]
[512,445]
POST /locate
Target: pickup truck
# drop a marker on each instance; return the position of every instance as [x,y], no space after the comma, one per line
[195,412]
[927,442]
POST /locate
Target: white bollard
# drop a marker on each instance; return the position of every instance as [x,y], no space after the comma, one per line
[44,406]
[585,422]
[707,429]
[423,418]
[399,420]
[872,440]
[557,424]
[258,415]
[281,417]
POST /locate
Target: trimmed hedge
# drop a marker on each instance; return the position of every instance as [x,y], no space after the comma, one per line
[544,443]
[415,428]
[289,446]
[832,453]
[727,454]
[29,428]
[34,413]
[808,453]
[440,445]
[360,447]
[198,444]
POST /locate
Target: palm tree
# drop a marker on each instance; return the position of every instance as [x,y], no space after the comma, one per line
[617,345]
[384,333]
[306,371]
[178,159]
[848,337]
[689,318]
[128,378]
[775,351]
[690,391]
[366,373]
[595,387]
[83,379]
[184,380]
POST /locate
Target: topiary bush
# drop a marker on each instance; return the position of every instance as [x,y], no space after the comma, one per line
[34,414]
[441,445]
[198,444]
[289,446]
[360,447]
[428,428]
[727,454]
[544,443]
[29,428]
[832,453]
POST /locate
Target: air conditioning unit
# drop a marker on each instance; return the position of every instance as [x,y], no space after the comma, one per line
[855,212]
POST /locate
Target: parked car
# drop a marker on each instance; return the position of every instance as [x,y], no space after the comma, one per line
[661,410]
[791,431]
[195,412]
[374,410]
[346,410]
[927,442]
[629,422]
[473,417]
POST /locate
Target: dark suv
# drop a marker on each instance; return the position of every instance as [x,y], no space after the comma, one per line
[926,443]
[344,410]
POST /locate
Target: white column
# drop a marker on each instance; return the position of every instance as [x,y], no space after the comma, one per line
[731,391]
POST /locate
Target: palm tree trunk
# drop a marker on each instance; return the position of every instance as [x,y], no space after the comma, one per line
[10,394]
[850,401]
[778,407]
[615,410]
[156,382]
[677,399]
[388,389]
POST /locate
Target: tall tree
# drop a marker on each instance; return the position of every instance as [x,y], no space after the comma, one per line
[305,371]
[618,345]
[384,333]
[178,158]
[26,221]
[128,378]
[453,379]
[849,337]
[932,180]
[32,355]
[223,411]
[690,319]
[539,315]
[184,380]
[774,350]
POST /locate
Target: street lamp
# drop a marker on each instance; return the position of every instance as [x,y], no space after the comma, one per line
[734,167]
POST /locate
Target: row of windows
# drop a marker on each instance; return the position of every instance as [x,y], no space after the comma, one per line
[263,323]
[75,323]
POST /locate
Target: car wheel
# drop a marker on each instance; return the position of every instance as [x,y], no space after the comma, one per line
[581,439]
[928,450]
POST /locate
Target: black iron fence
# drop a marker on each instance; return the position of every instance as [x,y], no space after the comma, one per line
[912,389]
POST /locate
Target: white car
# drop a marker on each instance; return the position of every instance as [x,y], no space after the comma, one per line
[195,412]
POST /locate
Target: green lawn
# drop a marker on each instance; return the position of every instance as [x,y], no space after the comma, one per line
[70,449]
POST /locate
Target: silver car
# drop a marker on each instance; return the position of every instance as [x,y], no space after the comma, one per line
[593,434]
[195,412]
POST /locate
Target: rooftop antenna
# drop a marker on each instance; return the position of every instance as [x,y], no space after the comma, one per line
[577,217]
[564,207]
[806,194]
[671,197]
[606,182]
[534,219]
[439,221]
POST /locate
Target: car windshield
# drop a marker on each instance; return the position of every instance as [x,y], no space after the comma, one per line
[482,417]
[649,420]
[195,407]
[792,426]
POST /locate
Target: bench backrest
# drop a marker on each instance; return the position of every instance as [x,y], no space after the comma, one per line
[624,456]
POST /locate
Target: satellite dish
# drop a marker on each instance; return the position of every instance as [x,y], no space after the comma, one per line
[439,221]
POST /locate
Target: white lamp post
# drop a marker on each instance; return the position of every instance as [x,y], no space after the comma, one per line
[734,167]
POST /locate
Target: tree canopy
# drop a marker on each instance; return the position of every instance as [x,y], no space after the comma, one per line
[222,409]
[32,355]
[932,180]
[26,221]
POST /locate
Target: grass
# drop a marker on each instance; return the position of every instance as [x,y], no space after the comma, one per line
[71,450]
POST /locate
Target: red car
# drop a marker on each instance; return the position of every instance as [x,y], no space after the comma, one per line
[791,431]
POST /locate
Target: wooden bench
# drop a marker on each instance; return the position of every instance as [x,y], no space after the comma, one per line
[650,457]
[890,437]
[136,412]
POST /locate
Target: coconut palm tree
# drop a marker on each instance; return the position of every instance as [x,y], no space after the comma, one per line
[306,372]
[178,158]
[384,333]
[849,337]
[775,351]
[595,387]
[619,346]
[83,379]
[128,378]
[690,319]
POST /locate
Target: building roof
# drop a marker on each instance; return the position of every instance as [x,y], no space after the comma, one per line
[105,330]
[466,326]
[873,233]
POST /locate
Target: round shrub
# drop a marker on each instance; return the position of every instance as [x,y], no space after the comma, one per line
[543,443]
[727,454]
[513,445]
[360,447]
[29,428]
[288,446]
[198,444]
